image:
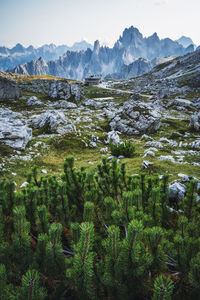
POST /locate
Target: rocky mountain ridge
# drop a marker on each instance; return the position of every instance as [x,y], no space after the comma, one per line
[130,47]
[11,57]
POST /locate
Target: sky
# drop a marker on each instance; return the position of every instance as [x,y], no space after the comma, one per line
[38,22]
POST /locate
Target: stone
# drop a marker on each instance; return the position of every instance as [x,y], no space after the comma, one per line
[135,96]
[93,141]
[177,191]
[76,91]
[146,164]
[93,103]
[171,143]
[104,150]
[195,121]
[153,144]
[111,157]
[61,89]
[167,157]
[65,104]
[14,132]
[32,101]
[163,93]
[183,177]
[149,153]
[24,184]
[136,117]
[113,138]
[50,119]
[68,128]
[151,149]
[146,137]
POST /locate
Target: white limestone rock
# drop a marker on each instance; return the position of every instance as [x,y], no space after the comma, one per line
[61,89]
[52,119]
[33,101]
[177,191]
[65,104]
[113,138]
[149,153]
[167,157]
[104,150]
[67,128]
[13,131]
[136,118]
[155,144]
[24,184]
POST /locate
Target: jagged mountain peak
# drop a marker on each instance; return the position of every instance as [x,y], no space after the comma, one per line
[129,35]
[96,46]
[154,36]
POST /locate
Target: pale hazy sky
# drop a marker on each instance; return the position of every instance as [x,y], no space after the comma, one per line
[38,22]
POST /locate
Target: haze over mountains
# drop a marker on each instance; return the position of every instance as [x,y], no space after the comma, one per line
[11,57]
[131,55]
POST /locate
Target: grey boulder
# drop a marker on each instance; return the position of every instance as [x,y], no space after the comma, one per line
[177,191]
[13,131]
[61,89]
[50,119]
[65,104]
[136,118]
[113,138]
[33,101]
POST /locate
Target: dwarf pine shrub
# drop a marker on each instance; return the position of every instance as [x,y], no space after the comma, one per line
[125,148]
[98,234]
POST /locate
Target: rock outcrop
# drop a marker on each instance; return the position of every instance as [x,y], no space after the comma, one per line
[55,88]
[49,121]
[136,118]
[33,101]
[8,89]
[13,131]
[60,89]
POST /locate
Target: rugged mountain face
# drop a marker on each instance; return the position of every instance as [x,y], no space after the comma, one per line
[138,67]
[180,74]
[10,58]
[130,47]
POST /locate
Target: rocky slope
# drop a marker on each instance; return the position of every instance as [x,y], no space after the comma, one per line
[11,57]
[158,112]
[130,47]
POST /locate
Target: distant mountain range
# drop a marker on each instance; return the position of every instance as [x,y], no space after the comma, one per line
[11,57]
[131,49]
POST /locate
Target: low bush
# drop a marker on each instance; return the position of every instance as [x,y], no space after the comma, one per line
[126,149]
